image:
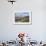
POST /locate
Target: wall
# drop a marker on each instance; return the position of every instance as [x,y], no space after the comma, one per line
[38,28]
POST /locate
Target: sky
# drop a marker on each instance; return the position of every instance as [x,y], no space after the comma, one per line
[22,14]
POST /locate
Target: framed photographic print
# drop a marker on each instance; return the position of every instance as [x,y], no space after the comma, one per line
[23,17]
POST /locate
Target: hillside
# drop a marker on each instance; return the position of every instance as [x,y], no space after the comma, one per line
[22,19]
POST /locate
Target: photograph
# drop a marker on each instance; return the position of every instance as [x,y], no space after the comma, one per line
[23,17]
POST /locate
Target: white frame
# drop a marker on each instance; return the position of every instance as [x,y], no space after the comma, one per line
[30,18]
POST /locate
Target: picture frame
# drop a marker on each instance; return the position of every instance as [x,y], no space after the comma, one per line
[22,17]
